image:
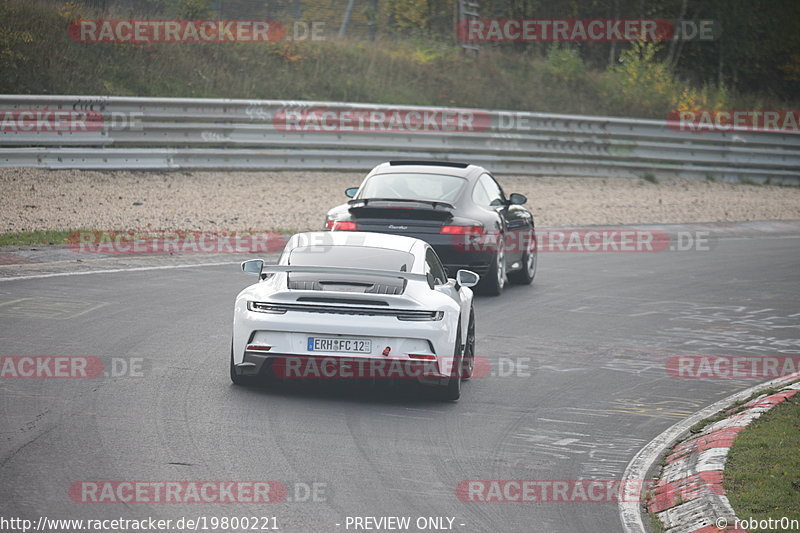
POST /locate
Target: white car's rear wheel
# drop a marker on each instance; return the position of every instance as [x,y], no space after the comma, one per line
[468,360]
[452,391]
[237,378]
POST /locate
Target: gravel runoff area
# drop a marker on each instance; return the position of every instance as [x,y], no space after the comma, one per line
[37,199]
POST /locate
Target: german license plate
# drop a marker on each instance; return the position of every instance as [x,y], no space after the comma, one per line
[339,344]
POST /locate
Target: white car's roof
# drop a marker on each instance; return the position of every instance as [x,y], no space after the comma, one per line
[354,238]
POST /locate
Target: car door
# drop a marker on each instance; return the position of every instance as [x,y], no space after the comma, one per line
[512,220]
[437,273]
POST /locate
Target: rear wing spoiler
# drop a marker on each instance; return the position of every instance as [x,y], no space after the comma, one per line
[364,202]
[368,272]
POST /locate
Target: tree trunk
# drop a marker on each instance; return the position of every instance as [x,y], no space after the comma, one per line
[612,54]
[373,19]
[346,19]
[672,56]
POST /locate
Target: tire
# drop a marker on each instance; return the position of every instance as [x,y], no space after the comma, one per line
[525,275]
[452,391]
[236,378]
[468,359]
[494,281]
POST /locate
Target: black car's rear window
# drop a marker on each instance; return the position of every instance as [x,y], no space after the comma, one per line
[352,257]
[413,186]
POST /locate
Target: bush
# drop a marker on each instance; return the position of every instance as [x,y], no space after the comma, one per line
[640,83]
[643,85]
[565,64]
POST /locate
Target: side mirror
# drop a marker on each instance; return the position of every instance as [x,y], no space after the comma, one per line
[517,199]
[467,278]
[351,192]
[253,266]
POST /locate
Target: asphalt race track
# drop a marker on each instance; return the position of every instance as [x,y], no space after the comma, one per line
[578,387]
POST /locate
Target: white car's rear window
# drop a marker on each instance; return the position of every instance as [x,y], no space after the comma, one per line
[352,257]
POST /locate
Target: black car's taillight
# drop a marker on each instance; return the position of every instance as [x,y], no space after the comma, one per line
[461,230]
[341,225]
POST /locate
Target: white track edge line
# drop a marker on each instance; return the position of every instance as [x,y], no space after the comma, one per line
[115,270]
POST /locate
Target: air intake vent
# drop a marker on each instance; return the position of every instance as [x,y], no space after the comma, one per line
[345,284]
[318,307]
[350,301]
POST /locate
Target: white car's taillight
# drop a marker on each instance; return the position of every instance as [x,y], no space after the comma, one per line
[258,348]
[422,356]
[262,307]
[422,316]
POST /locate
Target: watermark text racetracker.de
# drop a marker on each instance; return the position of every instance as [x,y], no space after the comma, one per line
[177,492]
[77,121]
[202,492]
[389,368]
[584,240]
[551,490]
[732,367]
[69,367]
[175,242]
[583,30]
[381,120]
[708,120]
[193,31]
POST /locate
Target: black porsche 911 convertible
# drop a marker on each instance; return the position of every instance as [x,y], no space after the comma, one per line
[459,209]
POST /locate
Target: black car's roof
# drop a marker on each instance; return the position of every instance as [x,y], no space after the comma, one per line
[461,170]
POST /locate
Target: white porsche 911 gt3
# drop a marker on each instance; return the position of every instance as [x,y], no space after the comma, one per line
[355,305]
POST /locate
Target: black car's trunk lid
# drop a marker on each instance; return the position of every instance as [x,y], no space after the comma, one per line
[400,216]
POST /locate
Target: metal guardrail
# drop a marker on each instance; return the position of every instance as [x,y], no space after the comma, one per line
[181,133]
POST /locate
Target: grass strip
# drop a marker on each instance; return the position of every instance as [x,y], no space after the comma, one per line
[762,474]
[25,238]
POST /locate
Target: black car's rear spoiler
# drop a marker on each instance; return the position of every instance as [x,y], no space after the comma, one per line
[364,202]
[433,163]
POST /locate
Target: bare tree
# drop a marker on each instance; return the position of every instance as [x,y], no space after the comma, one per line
[674,52]
[346,19]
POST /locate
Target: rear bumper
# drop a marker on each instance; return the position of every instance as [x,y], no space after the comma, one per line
[340,368]
[287,336]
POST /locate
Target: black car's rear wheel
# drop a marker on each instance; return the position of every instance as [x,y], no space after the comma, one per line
[492,284]
[525,275]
